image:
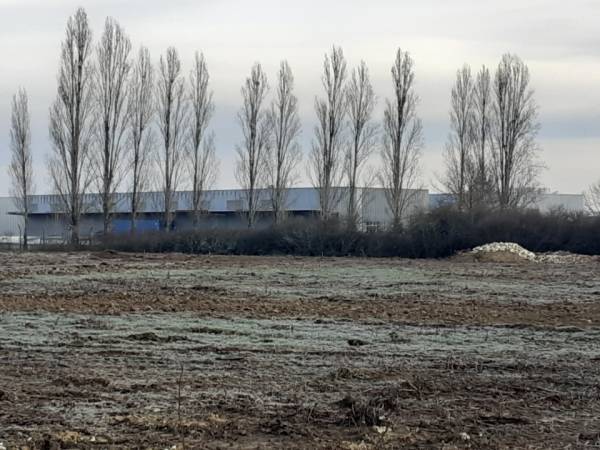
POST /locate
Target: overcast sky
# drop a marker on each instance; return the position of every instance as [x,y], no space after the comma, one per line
[560,44]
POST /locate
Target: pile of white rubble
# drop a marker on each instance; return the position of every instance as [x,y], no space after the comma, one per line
[505,247]
[520,253]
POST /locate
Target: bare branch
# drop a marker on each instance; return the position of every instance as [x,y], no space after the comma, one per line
[202,162]
[482,188]
[326,157]
[458,153]
[250,168]
[71,121]
[111,78]
[172,121]
[402,140]
[284,152]
[20,169]
[515,167]
[592,199]
[140,112]
[361,101]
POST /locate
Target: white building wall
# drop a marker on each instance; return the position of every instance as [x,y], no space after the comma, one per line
[566,202]
[371,202]
[545,202]
[226,200]
[10,225]
[375,210]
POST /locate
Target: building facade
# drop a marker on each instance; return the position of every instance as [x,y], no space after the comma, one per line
[10,224]
[225,209]
[544,202]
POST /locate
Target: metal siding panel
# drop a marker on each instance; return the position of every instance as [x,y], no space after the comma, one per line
[10,225]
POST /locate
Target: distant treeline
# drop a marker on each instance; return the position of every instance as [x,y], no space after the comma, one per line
[436,234]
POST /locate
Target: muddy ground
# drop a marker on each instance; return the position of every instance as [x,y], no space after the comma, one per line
[112,350]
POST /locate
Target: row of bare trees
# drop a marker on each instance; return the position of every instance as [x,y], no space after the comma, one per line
[111,108]
[491,153]
[345,136]
[116,118]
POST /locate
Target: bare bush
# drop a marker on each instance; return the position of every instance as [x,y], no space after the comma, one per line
[438,233]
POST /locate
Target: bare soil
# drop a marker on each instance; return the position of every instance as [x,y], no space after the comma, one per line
[109,350]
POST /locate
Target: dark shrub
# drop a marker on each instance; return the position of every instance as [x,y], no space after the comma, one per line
[435,234]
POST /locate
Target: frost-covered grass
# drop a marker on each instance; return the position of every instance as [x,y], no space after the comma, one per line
[315,280]
[178,332]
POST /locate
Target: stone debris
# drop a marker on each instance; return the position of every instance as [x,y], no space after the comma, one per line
[564,258]
[505,247]
[510,251]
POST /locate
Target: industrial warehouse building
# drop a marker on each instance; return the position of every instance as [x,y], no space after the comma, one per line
[224,209]
[11,225]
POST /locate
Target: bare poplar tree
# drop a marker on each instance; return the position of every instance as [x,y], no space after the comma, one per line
[141,139]
[402,140]
[172,121]
[207,171]
[250,168]
[514,129]
[363,134]
[284,152]
[458,154]
[326,157]
[111,78]
[202,162]
[482,117]
[70,120]
[20,169]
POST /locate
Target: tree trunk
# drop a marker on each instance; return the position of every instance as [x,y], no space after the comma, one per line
[25,225]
